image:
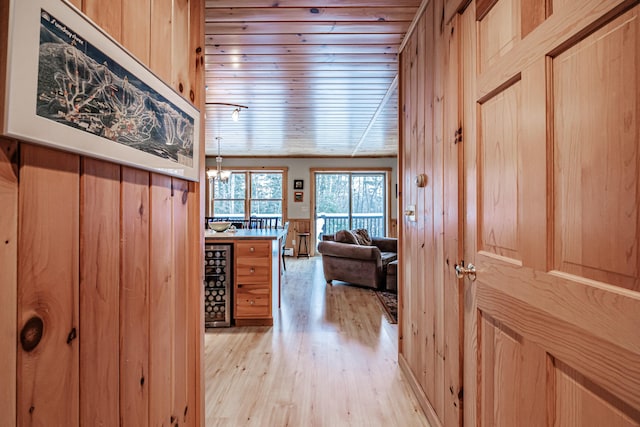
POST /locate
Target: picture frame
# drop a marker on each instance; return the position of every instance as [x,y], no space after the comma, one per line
[71,86]
[298,184]
[298,196]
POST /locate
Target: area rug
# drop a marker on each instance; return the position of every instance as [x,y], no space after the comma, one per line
[389,302]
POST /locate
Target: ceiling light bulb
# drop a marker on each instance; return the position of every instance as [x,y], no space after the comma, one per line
[235,115]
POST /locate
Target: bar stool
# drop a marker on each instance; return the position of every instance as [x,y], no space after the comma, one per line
[303,237]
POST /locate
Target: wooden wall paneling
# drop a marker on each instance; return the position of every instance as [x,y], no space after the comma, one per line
[401,216]
[8,276]
[533,13]
[451,7]
[180,190]
[161,302]
[453,249]
[134,298]
[469,130]
[426,242]
[99,333]
[197,193]
[180,50]
[160,56]
[4,41]
[136,28]
[439,145]
[422,215]
[76,3]
[414,261]
[409,263]
[107,15]
[48,287]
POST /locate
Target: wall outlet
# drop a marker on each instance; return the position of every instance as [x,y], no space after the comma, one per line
[293,242]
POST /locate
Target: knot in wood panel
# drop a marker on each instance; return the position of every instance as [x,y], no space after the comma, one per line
[31,333]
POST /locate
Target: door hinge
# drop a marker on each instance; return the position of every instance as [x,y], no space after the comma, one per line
[458,135]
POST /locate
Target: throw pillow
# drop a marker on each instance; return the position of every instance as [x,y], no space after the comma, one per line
[345,236]
[362,236]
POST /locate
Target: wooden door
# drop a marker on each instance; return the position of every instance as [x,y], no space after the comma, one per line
[552,212]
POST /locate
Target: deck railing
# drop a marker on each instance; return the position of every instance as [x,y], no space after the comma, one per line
[330,223]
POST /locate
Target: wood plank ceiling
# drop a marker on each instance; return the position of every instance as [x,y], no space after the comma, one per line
[318,77]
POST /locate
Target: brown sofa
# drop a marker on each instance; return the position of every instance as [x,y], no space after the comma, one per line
[358,264]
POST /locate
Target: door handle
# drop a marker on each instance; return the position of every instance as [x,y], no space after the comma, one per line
[462,271]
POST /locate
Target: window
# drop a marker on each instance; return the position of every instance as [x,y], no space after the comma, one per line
[350,200]
[248,194]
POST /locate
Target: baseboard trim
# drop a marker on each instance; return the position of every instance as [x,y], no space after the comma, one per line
[428,410]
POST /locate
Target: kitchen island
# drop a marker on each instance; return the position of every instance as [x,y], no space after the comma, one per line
[256,272]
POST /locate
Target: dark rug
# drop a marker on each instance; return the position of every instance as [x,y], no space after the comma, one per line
[389,302]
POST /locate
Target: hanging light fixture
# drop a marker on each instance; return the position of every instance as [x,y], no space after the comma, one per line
[235,114]
[218,173]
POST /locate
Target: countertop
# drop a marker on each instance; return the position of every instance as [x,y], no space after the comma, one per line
[245,234]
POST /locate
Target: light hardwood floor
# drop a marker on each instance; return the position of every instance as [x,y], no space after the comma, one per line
[329,360]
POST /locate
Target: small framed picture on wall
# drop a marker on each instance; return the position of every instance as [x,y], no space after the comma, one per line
[298,184]
[298,196]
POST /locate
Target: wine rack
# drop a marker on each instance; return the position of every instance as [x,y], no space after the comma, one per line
[217,286]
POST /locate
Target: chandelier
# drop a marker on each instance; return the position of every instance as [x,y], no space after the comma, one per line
[218,173]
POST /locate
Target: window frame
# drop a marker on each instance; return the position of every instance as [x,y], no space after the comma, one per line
[210,204]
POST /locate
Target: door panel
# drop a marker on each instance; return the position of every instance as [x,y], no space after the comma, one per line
[596,155]
[498,174]
[551,151]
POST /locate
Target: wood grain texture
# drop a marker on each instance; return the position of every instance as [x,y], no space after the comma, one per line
[4,36]
[161,302]
[468,38]
[499,174]
[196,212]
[8,276]
[329,360]
[440,204]
[107,15]
[355,39]
[596,123]
[579,402]
[182,284]
[136,28]
[483,7]
[511,364]
[180,49]
[99,292]
[532,181]
[562,27]
[48,288]
[134,298]
[569,342]
[499,31]
[533,13]
[160,55]
[453,211]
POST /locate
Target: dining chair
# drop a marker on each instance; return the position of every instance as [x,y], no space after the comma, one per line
[284,244]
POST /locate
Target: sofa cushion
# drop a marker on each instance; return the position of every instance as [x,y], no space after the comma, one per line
[345,236]
[362,236]
[388,257]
